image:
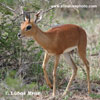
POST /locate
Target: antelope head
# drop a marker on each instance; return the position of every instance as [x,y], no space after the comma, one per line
[28,26]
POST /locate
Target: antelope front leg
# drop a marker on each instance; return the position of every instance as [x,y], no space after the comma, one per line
[54,74]
[46,58]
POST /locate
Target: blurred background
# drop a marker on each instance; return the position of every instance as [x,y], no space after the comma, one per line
[21,59]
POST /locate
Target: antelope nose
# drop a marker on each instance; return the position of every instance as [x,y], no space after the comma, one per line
[19,35]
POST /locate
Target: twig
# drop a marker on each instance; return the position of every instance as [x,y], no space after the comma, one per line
[74,8]
[54,7]
[12,10]
[31,11]
[35,12]
[96,54]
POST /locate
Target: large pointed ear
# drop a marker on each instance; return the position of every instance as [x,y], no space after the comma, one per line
[38,16]
[26,16]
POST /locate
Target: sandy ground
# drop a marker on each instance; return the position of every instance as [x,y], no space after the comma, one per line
[77,92]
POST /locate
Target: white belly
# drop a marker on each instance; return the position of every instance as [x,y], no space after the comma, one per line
[65,51]
[69,49]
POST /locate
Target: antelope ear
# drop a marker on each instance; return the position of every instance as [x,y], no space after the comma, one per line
[38,16]
[26,16]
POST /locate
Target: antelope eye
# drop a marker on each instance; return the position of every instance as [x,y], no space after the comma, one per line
[28,27]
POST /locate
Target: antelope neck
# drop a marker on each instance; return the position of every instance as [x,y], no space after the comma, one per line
[40,37]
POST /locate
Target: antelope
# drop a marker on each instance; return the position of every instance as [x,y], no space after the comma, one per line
[57,41]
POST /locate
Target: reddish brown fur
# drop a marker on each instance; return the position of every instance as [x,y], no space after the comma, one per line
[56,41]
[65,36]
[59,38]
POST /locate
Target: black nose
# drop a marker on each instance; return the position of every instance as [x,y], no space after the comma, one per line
[19,35]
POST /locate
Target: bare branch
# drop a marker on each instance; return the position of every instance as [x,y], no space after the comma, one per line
[43,12]
[96,54]
[13,11]
[51,8]
[54,7]
[74,8]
